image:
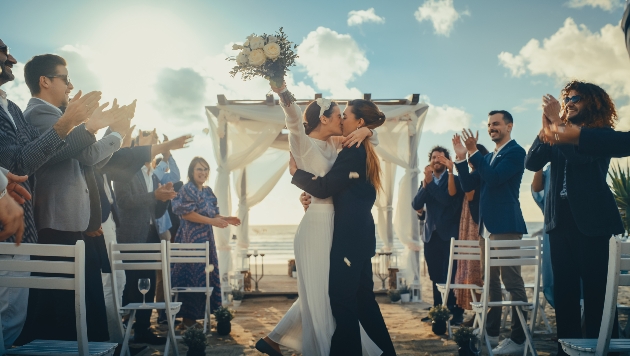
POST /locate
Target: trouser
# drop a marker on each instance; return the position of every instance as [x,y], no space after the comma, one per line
[575,257]
[132,293]
[113,316]
[352,301]
[436,254]
[511,277]
[13,304]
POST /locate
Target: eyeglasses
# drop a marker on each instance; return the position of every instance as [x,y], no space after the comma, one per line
[573,99]
[64,77]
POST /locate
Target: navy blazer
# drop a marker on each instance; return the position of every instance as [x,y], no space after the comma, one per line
[592,203]
[443,211]
[499,183]
[599,142]
[354,233]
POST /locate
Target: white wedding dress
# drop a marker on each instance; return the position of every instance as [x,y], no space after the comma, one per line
[309,325]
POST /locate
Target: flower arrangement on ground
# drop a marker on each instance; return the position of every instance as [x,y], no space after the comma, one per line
[439,316]
[223,317]
[394,295]
[196,341]
[466,340]
[267,56]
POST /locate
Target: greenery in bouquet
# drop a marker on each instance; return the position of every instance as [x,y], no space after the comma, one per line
[620,186]
[237,294]
[439,313]
[223,314]
[404,289]
[394,295]
[463,336]
[267,56]
[196,340]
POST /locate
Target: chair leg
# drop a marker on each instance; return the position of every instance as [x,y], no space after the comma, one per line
[124,351]
[528,334]
[171,333]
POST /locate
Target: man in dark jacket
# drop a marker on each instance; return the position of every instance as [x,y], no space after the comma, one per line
[443,212]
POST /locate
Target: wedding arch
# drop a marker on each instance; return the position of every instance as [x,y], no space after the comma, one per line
[251,143]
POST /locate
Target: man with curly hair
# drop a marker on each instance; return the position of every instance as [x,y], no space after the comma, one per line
[580,212]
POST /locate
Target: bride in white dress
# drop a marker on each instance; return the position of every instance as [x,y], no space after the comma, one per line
[308,326]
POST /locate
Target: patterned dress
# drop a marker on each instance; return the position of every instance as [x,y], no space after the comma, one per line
[468,272]
[203,202]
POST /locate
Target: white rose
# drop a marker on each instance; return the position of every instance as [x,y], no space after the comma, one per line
[272,50]
[236,47]
[242,59]
[246,43]
[247,51]
[256,42]
[272,39]
[257,57]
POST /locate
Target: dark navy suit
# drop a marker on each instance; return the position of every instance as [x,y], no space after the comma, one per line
[602,142]
[580,224]
[354,238]
[442,222]
[499,182]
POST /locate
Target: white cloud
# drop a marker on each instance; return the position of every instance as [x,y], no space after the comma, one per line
[574,52]
[441,13]
[608,5]
[332,60]
[442,119]
[527,104]
[357,17]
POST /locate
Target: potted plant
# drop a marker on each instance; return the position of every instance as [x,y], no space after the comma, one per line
[439,316]
[196,341]
[620,186]
[466,341]
[405,293]
[394,295]
[223,317]
[237,297]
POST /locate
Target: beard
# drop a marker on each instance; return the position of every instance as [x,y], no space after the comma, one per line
[5,76]
[579,119]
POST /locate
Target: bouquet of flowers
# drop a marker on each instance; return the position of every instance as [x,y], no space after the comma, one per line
[266,56]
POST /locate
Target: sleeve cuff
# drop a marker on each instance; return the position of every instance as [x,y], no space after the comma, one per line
[460,161]
[116,134]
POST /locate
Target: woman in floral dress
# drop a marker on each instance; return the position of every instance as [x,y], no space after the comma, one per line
[196,205]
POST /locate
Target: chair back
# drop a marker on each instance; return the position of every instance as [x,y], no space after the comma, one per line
[142,257]
[618,260]
[189,253]
[466,250]
[503,253]
[75,268]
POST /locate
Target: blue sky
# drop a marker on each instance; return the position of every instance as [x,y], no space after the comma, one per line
[465,57]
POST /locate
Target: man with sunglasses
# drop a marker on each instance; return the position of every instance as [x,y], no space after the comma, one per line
[580,211]
[23,150]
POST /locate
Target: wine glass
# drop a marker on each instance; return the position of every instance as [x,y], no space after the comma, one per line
[143,285]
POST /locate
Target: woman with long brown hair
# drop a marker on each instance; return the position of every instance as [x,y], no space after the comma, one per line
[314,140]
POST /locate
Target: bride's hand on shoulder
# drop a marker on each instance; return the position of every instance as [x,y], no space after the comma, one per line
[356,137]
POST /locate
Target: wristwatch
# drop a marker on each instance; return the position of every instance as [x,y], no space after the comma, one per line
[3,193]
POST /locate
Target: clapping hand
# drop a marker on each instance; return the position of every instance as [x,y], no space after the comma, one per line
[561,134]
[470,141]
[459,148]
[15,190]
[101,118]
[428,175]
[165,192]
[551,109]
[79,109]
[446,162]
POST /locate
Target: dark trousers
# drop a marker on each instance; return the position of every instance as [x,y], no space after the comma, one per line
[436,254]
[51,313]
[575,257]
[352,300]
[132,294]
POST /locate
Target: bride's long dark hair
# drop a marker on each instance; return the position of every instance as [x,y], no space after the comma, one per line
[373,118]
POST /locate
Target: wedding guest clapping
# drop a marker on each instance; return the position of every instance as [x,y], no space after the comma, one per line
[197,207]
[498,176]
[580,212]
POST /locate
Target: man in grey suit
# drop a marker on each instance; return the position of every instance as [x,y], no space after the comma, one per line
[62,203]
[141,201]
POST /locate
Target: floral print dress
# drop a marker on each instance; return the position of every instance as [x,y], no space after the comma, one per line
[203,202]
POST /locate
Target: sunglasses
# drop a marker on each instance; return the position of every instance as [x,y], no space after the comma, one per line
[64,77]
[4,49]
[573,99]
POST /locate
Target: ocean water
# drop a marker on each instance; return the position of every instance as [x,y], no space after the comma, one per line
[276,241]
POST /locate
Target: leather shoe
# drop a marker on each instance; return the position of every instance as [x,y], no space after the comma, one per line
[148,337]
[265,348]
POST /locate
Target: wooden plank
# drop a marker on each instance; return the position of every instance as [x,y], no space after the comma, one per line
[624,280]
[187,260]
[191,253]
[467,257]
[513,243]
[37,266]
[475,250]
[38,282]
[148,266]
[152,247]
[140,256]
[474,243]
[63,348]
[179,245]
[624,264]
[9,248]
[513,253]
[514,262]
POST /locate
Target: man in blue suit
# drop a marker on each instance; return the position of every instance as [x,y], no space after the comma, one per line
[442,222]
[498,176]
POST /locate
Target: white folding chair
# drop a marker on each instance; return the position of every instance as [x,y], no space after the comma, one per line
[77,284]
[461,250]
[500,253]
[143,257]
[192,253]
[604,344]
